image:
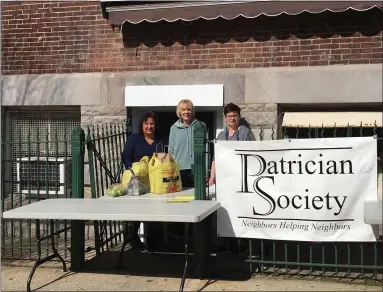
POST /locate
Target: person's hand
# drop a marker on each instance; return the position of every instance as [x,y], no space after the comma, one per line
[211,181]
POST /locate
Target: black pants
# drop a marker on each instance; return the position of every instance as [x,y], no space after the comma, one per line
[187,178]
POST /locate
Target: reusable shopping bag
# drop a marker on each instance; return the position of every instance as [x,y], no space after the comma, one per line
[164,174]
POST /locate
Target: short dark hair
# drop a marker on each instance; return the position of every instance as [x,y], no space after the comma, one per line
[144,118]
[231,107]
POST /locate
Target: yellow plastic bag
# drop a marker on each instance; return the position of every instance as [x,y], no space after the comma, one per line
[164,174]
[140,169]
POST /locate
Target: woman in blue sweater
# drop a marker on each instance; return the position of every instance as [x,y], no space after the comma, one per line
[144,143]
[181,140]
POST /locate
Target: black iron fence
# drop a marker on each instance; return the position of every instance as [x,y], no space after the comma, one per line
[343,259]
[56,165]
[36,165]
[104,144]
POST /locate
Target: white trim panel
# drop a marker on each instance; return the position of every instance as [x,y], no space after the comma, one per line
[170,95]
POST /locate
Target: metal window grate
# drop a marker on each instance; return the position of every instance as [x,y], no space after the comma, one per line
[42,127]
[36,164]
[41,135]
[50,175]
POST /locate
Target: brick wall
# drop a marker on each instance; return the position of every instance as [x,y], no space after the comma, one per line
[64,37]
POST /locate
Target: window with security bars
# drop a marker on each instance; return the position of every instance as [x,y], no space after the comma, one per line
[41,149]
[50,176]
[43,133]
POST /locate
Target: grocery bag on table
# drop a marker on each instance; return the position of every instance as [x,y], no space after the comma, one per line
[135,186]
[140,170]
[164,174]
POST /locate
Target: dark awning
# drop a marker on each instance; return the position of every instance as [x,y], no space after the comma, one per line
[117,13]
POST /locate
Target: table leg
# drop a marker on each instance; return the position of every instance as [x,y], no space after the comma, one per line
[55,252]
[201,248]
[186,239]
[39,261]
[77,244]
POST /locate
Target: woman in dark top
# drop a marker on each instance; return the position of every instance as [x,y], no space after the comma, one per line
[144,143]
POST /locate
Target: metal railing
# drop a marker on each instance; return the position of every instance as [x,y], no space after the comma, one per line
[100,150]
[105,144]
[35,166]
[363,260]
[43,165]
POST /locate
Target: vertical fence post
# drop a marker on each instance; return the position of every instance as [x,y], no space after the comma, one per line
[201,230]
[199,167]
[77,227]
[93,188]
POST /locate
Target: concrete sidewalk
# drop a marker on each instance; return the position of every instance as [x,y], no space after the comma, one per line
[52,279]
[154,273]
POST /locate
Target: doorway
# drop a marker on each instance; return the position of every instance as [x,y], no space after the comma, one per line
[167,119]
[211,116]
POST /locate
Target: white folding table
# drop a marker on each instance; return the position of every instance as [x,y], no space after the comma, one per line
[184,192]
[210,191]
[116,209]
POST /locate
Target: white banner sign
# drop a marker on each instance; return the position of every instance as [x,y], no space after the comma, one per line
[299,189]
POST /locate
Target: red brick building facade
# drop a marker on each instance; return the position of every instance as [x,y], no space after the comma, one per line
[67,53]
[71,37]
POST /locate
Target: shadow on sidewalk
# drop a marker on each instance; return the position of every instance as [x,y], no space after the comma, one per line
[165,265]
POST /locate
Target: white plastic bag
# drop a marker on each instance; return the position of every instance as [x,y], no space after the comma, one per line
[135,186]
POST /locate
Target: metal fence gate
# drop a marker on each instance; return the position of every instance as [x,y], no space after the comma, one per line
[104,146]
[36,164]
